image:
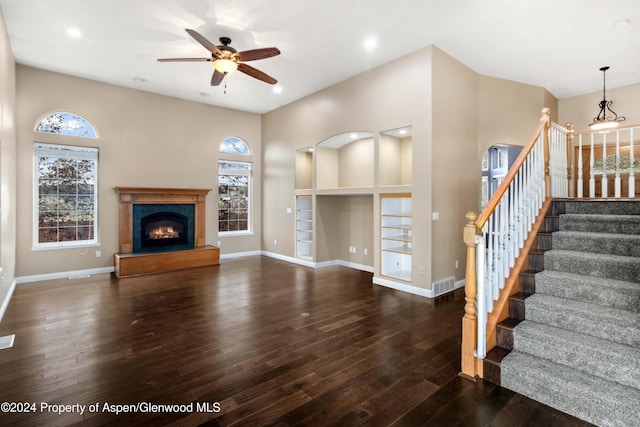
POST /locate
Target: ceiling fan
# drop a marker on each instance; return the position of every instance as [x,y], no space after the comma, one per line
[226,59]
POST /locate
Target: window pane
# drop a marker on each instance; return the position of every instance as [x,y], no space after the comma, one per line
[234,145]
[66,124]
[66,194]
[233,196]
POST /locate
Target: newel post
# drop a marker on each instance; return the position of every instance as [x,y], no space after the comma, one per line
[546,114]
[470,321]
[570,183]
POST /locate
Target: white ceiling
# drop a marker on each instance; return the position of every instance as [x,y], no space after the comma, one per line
[556,44]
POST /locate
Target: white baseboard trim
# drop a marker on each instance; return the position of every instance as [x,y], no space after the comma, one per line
[322,264]
[460,284]
[64,275]
[404,287]
[355,265]
[7,298]
[239,254]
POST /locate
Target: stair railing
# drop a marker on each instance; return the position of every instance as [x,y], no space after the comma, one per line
[606,162]
[495,237]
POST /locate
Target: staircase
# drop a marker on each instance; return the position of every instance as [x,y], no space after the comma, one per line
[572,340]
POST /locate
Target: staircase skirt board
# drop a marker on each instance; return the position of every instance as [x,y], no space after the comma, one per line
[572,340]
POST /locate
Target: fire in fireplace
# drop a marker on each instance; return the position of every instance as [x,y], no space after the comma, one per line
[163,229]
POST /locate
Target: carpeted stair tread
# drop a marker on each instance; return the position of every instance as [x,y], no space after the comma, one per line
[618,294]
[606,243]
[602,322]
[580,351]
[616,267]
[604,207]
[591,398]
[597,223]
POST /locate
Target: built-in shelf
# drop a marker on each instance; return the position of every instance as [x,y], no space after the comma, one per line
[396,236]
[304,227]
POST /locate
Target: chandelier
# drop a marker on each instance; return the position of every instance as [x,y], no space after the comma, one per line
[606,118]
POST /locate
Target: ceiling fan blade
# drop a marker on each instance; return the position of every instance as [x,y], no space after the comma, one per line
[253,54]
[204,42]
[216,78]
[255,73]
[184,59]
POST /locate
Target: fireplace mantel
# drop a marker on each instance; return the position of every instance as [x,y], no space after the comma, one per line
[128,196]
[128,263]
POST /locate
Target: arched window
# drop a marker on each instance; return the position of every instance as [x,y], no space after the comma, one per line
[234,188]
[65,123]
[234,145]
[65,185]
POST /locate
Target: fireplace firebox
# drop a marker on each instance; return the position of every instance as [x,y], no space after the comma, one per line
[163,229]
[160,227]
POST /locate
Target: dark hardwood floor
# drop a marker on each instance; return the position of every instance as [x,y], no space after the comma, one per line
[263,341]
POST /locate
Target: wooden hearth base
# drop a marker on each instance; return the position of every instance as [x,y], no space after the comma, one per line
[127,265]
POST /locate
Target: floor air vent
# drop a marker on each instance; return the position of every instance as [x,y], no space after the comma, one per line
[443,286]
[7,341]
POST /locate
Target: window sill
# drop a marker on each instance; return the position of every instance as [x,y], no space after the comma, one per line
[234,233]
[70,246]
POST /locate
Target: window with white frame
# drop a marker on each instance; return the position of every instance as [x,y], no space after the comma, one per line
[64,123]
[65,196]
[234,196]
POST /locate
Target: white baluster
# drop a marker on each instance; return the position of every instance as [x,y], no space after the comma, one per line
[592,177]
[481,301]
[617,184]
[605,181]
[632,172]
[579,177]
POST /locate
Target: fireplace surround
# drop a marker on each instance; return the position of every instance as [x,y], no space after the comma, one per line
[175,218]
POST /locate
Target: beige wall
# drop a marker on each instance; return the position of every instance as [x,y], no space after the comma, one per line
[580,110]
[7,164]
[145,140]
[355,164]
[508,111]
[456,171]
[377,100]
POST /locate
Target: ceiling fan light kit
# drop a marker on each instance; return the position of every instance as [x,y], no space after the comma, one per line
[604,120]
[226,59]
[225,66]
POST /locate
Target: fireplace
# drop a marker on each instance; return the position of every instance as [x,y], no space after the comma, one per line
[162,229]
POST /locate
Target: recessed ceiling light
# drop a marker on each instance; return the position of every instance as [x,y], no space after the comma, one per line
[370,43]
[402,131]
[74,32]
[204,94]
[354,136]
[277,89]
[139,79]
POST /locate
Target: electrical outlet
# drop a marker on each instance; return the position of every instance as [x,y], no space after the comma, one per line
[275,243]
[364,251]
[219,243]
[288,210]
[435,216]
[354,250]
[457,264]
[98,254]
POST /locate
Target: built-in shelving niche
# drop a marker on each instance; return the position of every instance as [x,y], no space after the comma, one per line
[396,236]
[304,168]
[304,227]
[345,161]
[395,157]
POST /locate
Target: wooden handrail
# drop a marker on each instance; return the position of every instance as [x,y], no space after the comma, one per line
[511,174]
